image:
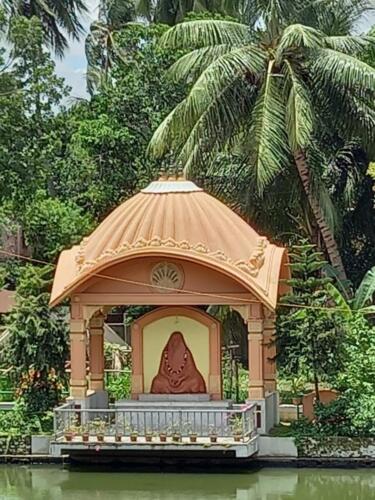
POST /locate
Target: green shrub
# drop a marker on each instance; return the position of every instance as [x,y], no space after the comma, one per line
[119,385]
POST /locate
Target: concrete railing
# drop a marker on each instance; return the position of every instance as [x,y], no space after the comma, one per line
[238,422]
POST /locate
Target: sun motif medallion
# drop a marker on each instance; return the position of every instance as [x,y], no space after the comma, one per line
[167,276]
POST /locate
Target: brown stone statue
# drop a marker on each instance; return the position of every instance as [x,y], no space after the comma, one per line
[177,372]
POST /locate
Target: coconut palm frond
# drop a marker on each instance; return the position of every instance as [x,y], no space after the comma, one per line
[215,124]
[297,35]
[359,119]
[168,133]
[59,18]
[350,44]
[247,61]
[193,63]
[334,17]
[69,13]
[268,134]
[299,111]
[197,34]
[343,72]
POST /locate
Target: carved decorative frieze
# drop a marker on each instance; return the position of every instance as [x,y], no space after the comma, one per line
[252,266]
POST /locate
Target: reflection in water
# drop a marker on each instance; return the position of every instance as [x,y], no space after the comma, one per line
[54,483]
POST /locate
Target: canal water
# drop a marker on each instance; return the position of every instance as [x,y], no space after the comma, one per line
[55,483]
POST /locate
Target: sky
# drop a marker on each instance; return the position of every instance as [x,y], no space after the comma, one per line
[73,66]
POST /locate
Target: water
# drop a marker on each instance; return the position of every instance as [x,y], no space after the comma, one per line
[55,483]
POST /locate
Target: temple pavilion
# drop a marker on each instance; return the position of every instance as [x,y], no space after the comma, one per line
[177,248]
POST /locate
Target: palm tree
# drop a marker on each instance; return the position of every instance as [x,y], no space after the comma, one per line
[58,17]
[267,92]
[173,11]
[101,48]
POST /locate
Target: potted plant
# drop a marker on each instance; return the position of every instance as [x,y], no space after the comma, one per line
[148,435]
[68,434]
[237,428]
[70,431]
[100,427]
[176,435]
[85,434]
[213,434]
[118,437]
[134,436]
[191,433]
[163,436]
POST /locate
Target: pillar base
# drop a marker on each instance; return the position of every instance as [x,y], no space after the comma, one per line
[78,388]
[256,392]
[91,400]
[270,386]
[77,392]
[267,411]
[96,382]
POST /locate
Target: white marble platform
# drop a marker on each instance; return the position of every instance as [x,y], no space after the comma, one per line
[188,398]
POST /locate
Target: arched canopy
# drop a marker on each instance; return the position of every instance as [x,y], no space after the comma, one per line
[177,221]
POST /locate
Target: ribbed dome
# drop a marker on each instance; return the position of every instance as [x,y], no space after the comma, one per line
[177,217]
[191,219]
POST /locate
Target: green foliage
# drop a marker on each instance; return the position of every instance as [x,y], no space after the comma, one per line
[37,347]
[6,388]
[362,302]
[269,91]
[28,143]
[57,18]
[172,12]
[50,225]
[106,159]
[118,385]
[309,339]
[19,421]
[352,414]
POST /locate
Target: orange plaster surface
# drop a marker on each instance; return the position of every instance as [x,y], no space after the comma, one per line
[189,225]
[214,355]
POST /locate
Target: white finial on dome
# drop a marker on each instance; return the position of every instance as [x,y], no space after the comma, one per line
[171,186]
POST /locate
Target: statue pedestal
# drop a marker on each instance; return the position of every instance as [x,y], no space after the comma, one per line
[178,398]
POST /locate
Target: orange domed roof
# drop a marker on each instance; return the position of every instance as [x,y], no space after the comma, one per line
[175,217]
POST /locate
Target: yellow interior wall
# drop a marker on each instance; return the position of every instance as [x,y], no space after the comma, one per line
[156,336]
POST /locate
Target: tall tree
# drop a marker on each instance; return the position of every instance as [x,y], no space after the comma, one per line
[37,347]
[268,93]
[59,18]
[102,49]
[308,338]
[173,11]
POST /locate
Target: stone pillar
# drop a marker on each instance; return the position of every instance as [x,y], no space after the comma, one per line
[78,382]
[137,360]
[214,382]
[255,326]
[269,352]
[96,352]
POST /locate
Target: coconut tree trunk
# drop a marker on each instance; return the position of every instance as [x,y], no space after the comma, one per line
[325,231]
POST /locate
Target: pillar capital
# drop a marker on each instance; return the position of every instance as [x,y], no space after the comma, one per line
[77,326]
[250,311]
[97,321]
[255,326]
